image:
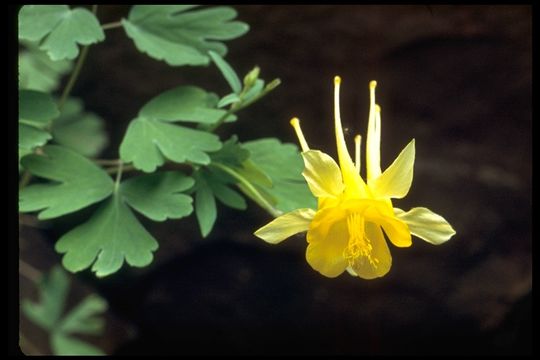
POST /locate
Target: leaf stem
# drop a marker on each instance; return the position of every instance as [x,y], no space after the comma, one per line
[76,71]
[259,199]
[25,179]
[118,174]
[29,272]
[115,169]
[241,105]
[112,25]
[107,161]
[73,77]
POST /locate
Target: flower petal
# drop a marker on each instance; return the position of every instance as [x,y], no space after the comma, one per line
[327,241]
[397,230]
[396,180]
[380,253]
[373,141]
[354,184]
[286,225]
[426,225]
[322,174]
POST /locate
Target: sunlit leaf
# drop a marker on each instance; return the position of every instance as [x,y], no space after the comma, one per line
[76,183]
[111,236]
[180,35]
[59,28]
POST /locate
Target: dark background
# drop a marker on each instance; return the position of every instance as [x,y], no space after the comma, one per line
[455,78]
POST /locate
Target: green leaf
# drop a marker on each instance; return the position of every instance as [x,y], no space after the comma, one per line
[181,37]
[62,344]
[231,153]
[148,142]
[38,72]
[79,183]
[59,29]
[53,290]
[228,99]
[284,165]
[227,71]
[31,137]
[82,318]
[157,196]
[254,90]
[78,130]
[183,103]
[36,108]
[205,205]
[113,234]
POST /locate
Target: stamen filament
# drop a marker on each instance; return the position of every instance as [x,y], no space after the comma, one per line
[357,143]
[295,122]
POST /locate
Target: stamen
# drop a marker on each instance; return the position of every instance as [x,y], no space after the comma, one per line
[295,122]
[359,247]
[357,143]
[373,141]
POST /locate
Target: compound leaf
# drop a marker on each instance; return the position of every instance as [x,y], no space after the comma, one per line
[59,29]
[182,36]
[158,196]
[77,183]
[113,234]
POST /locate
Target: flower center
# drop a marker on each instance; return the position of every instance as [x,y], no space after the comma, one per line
[359,247]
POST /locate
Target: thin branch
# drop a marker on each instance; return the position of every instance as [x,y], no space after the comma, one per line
[112,25]
[29,272]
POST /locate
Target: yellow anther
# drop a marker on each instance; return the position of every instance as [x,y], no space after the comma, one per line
[337,80]
[295,122]
[372,84]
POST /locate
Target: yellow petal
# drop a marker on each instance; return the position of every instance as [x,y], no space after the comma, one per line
[373,141]
[380,254]
[426,225]
[397,230]
[322,174]
[396,180]
[353,182]
[327,239]
[286,225]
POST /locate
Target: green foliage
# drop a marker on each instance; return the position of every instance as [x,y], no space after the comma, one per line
[36,108]
[111,235]
[59,29]
[79,130]
[77,183]
[48,313]
[179,35]
[38,72]
[183,103]
[149,142]
[283,164]
[228,73]
[158,197]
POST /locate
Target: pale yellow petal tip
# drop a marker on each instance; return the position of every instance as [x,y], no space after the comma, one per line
[295,122]
[372,84]
[337,80]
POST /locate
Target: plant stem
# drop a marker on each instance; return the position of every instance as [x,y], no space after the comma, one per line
[112,25]
[107,161]
[29,272]
[73,77]
[257,196]
[25,179]
[114,170]
[76,71]
[118,175]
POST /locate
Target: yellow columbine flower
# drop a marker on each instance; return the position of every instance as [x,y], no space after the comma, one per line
[346,231]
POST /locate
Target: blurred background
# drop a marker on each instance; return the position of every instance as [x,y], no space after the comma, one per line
[455,78]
